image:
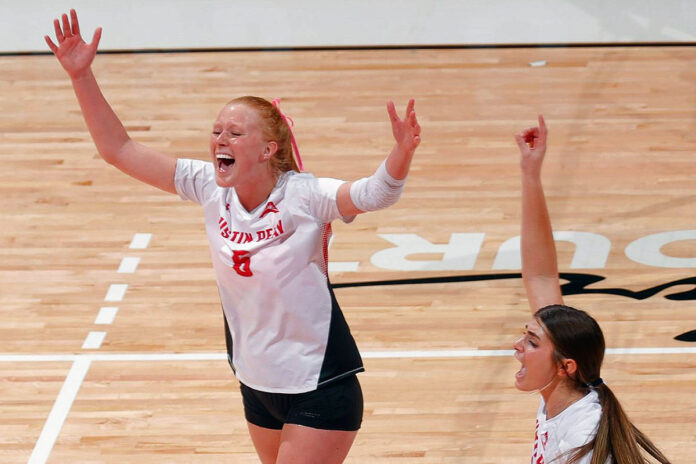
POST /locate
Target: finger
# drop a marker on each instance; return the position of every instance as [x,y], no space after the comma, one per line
[413,121]
[529,132]
[542,124]
[51,45]
[409,107]
[532,135]
[521,143]
[66,26]
[75,23]
[95,39]
[59,33]
[392,111]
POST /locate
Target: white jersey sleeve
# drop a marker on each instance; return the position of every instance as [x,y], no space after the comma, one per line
[319,196]
[194,180]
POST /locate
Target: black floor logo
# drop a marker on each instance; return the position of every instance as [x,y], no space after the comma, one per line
[576,284]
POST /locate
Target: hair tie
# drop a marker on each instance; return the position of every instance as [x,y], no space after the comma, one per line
[290,123]
[595,383]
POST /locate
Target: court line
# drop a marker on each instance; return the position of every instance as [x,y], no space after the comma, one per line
[128,265]
[365,354]
[60,410]
[94,340]
[116,292]
[82,362]
[140,241]
[106,315]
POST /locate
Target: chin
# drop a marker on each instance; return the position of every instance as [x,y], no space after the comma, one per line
[520,387]
[224,183]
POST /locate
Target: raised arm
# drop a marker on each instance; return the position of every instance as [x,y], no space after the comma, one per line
[539,263]
[384,187]
[109,135]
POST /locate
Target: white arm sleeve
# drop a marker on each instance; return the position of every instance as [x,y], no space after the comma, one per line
[378,191]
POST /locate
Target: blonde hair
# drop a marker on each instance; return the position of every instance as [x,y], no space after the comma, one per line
[274,129]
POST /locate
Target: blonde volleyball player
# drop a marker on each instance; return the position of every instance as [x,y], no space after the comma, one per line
[268,225]
[579,420]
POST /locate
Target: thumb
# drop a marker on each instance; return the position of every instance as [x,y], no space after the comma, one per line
[96,38]
[521,143]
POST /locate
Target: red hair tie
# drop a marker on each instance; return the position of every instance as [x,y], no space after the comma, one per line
[290,123]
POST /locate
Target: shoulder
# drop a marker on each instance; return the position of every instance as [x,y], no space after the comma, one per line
[307,184]
[194,170]
[580,424]
[195,179]
[194,164]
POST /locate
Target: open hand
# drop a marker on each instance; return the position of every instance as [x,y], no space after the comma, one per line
[73,53]
[532,143]
[406,131]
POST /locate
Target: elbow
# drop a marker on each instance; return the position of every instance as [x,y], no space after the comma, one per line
[114,154]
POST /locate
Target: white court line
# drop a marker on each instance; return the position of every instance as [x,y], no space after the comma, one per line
[140,241]
[81,364]
[116,292]
[364,354]
[60,411]
[106,315]
[93,341]
[128,265]
[343,266]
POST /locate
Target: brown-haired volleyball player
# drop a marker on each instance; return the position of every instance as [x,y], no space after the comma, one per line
[579,421]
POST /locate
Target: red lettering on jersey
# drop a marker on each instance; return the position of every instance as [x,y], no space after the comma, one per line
[242,263]
[270,208]
[234,235]
[227,206]
[247,237]
[279,227]
[224,230]
[260,235]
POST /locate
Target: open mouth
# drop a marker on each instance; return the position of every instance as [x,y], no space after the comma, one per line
[224,162]
[519,374]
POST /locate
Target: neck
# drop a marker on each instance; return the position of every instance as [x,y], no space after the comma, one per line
[558,395]
[255,190]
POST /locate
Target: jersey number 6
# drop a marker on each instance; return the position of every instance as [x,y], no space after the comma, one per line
[242,263]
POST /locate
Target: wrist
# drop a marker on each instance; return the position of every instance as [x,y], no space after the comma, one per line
[531,175]
[83,75]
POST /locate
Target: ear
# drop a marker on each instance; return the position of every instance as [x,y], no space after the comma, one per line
[270,150]
[567,368]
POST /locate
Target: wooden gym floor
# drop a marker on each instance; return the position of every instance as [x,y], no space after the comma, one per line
[438,388]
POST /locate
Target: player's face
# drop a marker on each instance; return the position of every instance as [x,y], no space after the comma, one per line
[237,146]
[535,351]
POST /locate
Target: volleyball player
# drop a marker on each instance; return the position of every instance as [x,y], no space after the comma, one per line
[579,420]
[268,225]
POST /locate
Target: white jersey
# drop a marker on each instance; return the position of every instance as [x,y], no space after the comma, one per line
[285,331]
[573,427]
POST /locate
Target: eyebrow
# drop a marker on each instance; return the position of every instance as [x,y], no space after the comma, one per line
[233,126]
[531,333]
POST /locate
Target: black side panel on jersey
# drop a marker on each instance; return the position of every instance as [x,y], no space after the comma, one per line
[342,357]
[228,341]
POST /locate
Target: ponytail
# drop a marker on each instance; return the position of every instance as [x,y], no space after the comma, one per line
[616,437]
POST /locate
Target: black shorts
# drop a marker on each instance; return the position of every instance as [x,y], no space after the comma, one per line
[336,406]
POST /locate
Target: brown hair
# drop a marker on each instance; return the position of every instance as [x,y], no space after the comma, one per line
[576,335]
[274,129]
